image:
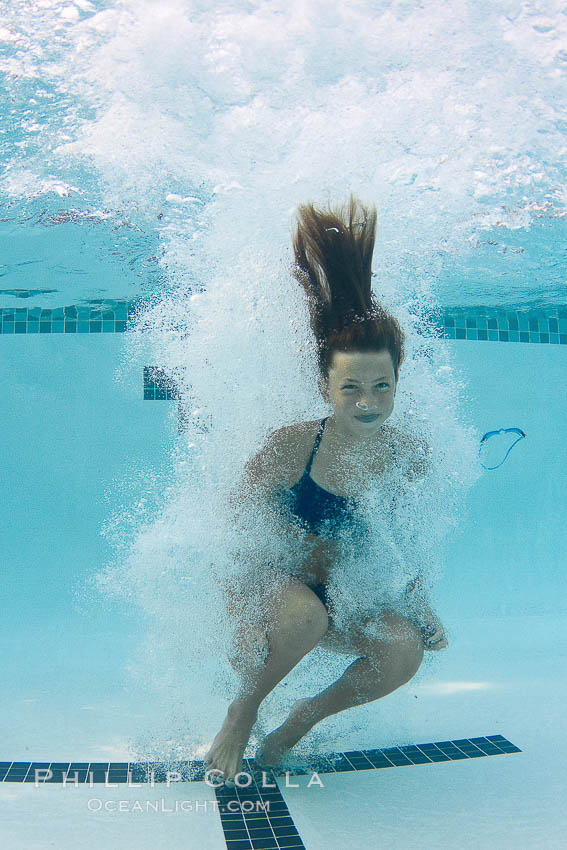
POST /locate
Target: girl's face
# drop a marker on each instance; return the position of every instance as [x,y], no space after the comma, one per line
[361,387]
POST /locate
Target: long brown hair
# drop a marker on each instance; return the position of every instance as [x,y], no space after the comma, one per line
[333,263]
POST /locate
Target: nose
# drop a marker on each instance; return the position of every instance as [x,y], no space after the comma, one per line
[363,405]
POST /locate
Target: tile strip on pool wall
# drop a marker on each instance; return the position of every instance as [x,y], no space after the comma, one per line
[493,324]
[105,317]
[501,324]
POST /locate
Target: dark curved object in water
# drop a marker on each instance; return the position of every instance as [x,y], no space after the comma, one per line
[490,434]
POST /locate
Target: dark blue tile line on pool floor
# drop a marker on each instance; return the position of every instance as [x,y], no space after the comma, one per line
[256,817]
[193,771]
[493,324]
[254,814]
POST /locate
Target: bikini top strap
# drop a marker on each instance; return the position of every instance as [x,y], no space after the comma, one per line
[316,445]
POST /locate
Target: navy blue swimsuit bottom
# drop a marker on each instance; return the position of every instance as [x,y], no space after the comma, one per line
[320,590]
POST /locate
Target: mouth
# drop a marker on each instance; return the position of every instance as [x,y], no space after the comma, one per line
[370,418]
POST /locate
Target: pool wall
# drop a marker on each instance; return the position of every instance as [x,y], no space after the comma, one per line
[79,444]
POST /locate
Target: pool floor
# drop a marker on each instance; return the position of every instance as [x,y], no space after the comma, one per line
[500,677]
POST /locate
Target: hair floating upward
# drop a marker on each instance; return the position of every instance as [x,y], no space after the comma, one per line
[333,263]
[333,255]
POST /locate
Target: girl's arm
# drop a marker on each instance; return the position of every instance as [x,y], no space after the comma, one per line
[255,500]
[424,617]
[420,464]
[415,593]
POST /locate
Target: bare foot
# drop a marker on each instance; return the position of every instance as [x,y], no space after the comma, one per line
[278,742]
[228,747]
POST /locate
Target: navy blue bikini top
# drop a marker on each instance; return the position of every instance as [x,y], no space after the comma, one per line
[319,511]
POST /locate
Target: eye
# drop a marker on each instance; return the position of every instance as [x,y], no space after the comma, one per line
[353,387]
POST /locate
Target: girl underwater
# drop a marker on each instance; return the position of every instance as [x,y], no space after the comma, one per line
[314,472]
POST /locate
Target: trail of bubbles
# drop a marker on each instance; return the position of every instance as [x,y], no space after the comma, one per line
[244,361]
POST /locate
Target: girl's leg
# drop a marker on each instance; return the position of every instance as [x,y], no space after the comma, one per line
[297,621]
[384,665]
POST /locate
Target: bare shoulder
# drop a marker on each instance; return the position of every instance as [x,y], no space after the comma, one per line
[282,454]
[290,439]
[415,449]
[407,441]
[296,434]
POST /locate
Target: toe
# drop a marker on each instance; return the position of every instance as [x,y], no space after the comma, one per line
[263,760]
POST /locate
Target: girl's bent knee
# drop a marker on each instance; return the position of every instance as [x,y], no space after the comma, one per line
[319,620]
[313,615]
[410,655]
[303,610]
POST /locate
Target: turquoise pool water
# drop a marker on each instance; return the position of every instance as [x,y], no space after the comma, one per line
[69,694]
[154,151]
